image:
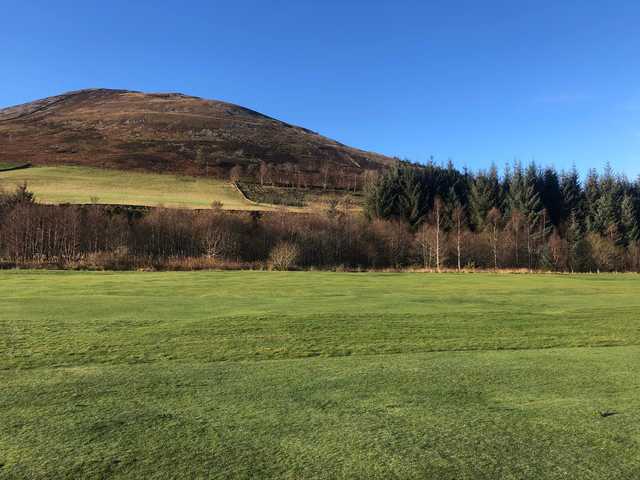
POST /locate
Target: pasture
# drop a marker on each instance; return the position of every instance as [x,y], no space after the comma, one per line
[71,184]
[319,375]
[82,185]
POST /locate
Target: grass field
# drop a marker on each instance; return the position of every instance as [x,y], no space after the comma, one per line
[319,375]
[69,184]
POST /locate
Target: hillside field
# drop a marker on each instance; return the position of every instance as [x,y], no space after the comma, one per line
[71,184]
[319,375]
[79,185]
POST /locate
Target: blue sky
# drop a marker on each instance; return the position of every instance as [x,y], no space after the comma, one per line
[475,81]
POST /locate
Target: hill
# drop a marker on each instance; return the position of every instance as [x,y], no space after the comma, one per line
[172,132]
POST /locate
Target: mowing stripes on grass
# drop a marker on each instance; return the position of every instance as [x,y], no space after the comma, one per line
[477,415]
[160,375]
[67,318]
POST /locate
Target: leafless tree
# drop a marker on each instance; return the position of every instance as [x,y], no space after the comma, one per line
[235,174]
[494,218]
[324,170]
[515,225]
[438,208]
[458,214]
[284,255]
[263,172]
[425,240]
[214,235]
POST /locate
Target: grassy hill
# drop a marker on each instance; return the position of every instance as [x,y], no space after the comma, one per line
[79,185]
[165,375]
[69,184]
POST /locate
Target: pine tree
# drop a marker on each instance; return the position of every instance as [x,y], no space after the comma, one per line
[524,201]
[400,193]
[606,213]
[412,201]
[592,194]
[23,194]
[572,195]
[629,220]
[552,196]
[382,200]
[577,254]
[484,194]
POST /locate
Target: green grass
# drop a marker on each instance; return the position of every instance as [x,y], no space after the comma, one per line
[318,375]
[70,184]
[11,166]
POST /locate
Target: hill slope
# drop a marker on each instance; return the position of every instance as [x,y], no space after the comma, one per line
[166,132]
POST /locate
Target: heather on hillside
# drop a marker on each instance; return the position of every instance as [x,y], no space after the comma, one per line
[175,133]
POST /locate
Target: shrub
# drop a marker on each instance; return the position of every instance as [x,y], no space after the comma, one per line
[284,256]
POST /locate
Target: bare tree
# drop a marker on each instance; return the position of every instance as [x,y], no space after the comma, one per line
[458,214]
[369,179]
[425,241]
[438,207]
[284,255]
[515,225]
[235,174]
[494,218]
[263,172]
[215,238]
[325,174]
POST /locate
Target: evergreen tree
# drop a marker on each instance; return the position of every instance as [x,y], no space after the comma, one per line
[523,200]
[399,194]
[531,202]
[572,195]
[381,200]
[605,215]
[413,197]
[484,194]
[577,245]
[552,196]
[629,220]
[591,195]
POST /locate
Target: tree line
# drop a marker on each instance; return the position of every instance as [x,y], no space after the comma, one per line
[433,217]
[530,217]
[329,175]
[106,237]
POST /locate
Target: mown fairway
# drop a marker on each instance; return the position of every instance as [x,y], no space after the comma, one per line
[319,375]
[66,184]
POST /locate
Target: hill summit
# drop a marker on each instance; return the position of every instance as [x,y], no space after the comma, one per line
[166,132]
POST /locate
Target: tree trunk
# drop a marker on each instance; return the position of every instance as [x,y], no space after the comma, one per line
[458,244]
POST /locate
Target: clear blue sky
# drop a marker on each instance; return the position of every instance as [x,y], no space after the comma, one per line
[474,81]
